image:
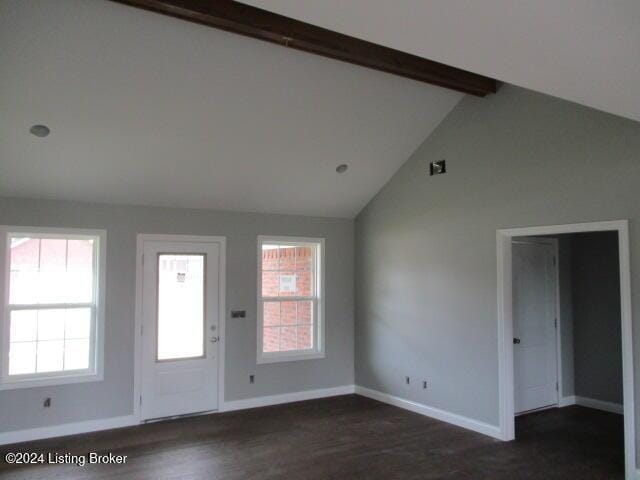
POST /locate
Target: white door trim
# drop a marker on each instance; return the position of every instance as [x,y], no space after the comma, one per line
[505,326]
[148,237]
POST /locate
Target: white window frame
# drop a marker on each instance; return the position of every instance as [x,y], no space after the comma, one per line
[318,320]
[95,372]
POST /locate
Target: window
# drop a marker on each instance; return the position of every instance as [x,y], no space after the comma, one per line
[290,299]
[53,306]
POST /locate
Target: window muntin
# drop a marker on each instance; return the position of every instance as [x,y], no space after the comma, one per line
[51,306]
[50,270]
[49,340]
[290,292]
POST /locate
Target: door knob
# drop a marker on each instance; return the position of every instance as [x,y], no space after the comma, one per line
[516,341]
[215,339]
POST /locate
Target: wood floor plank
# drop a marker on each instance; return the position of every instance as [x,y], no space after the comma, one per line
[348,437]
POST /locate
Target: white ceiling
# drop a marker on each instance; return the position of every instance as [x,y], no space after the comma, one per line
[587,51]
[146,109]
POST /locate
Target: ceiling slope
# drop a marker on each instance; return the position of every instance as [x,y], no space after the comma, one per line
[146,109]
[243,19]
[586,51]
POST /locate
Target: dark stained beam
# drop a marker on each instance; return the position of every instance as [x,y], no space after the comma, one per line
[254,22]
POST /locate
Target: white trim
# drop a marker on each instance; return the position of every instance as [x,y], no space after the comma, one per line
[567,401]
[65,378]
[133,420]
[505,325]
[66,429]
[600,405]
[95,372]
[592,403]
[149,237]
[560,390]
[318,351]
[432,412]
[287,398]
[289,357]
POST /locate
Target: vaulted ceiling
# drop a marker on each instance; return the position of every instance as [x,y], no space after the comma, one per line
[586,51]
[146,109]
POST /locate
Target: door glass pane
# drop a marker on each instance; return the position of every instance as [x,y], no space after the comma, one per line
[180,306]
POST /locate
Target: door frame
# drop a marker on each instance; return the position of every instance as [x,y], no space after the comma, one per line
[556,252]
[153,237]
[505,326]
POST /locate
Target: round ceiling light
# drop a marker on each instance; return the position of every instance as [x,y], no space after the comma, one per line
[342,168]
[40,131]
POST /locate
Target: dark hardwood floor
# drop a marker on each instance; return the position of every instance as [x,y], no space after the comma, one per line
[349,437]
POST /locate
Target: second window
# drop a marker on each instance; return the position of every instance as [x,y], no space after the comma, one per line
[290,298]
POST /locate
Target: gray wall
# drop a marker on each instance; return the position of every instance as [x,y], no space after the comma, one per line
[426,246]
[596,316]
[21,409]
[565,288]
[590,333]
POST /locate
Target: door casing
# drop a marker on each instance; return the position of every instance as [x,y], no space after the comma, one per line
[505,326]
[141,239]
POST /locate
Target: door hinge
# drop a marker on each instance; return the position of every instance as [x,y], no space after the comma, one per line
[142,260]
[555,323]
[141,329]
[140,400]
[554,261]
[556,386]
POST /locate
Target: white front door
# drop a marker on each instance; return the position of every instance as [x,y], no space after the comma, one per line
[534,315]
[180,338]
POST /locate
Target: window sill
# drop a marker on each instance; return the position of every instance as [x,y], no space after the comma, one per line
[50,381]
[292,357]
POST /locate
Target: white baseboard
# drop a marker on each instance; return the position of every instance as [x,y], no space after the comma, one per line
[567,401]
[442,415]
[591,403]
[600,405]
[286,398]
[129,420]
[67,429]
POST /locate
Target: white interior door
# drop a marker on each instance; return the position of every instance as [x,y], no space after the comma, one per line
[180,310]
[534,315]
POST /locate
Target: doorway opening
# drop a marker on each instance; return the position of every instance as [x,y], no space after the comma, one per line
[565,333]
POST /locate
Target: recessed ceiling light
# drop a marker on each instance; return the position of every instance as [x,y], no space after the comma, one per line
[342,168]
[40,131]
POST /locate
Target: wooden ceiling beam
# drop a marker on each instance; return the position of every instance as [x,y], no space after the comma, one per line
[254,22]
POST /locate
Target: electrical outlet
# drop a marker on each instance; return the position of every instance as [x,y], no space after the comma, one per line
[424,384]
[252,378]
[47,402]
[407,380]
